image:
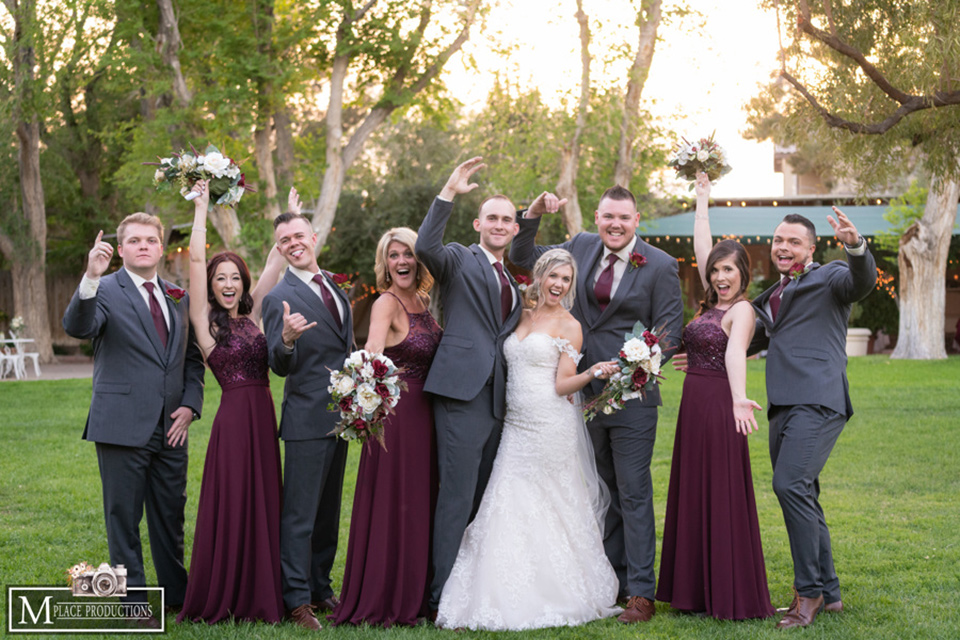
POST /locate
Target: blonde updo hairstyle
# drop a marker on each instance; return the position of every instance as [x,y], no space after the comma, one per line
[408,238]
[547,263]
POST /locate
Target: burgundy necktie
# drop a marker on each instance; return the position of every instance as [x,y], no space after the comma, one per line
[157,314]
[775,298]
[328,300]
[604,285]
[506,295]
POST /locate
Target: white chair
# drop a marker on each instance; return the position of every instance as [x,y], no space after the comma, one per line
[22,362]
[10,360]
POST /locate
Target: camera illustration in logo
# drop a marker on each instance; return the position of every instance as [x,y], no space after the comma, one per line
[102,581]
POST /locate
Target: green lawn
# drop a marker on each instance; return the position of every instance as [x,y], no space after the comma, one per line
[890,492]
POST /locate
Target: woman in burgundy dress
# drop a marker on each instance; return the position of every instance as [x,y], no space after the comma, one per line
[388,556]
[712,559]
[235,565]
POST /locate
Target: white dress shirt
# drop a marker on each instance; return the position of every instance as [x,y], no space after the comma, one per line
[493,260]
[619,267]
[89,287]
[307,278]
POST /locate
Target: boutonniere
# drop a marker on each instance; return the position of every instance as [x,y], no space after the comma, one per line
[798,270]
[523,282]
[637,260]
[342,280]
[175,294]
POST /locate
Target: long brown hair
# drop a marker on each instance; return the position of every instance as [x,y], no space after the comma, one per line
[220,317]
[741,259]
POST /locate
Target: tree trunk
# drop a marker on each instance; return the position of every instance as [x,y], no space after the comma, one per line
[570,155]
[283,132]
[225,221]
[923,266]
[168,44]
[26,248]
[639,71]
[264,151]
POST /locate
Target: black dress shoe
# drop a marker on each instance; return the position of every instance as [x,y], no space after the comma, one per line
[146,622]
[327,604]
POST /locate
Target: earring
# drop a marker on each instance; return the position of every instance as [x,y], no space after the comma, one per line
[388,277]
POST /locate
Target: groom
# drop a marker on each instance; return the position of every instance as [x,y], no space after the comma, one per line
[802,321]
[481,307]
[147,389]
[621,280]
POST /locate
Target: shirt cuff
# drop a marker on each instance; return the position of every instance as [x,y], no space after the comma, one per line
[88,287]
[442,199]
[858,249]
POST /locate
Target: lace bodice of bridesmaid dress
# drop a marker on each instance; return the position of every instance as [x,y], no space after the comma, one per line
[706,342]
[243,357]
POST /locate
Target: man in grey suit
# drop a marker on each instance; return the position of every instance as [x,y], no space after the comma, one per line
[481,307]
[309,328]
[802,321]
[622,279]
[147,389]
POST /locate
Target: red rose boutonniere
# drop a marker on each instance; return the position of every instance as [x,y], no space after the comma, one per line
[798,270]
[175,294]
[342,280]
[523,282]
[637,260]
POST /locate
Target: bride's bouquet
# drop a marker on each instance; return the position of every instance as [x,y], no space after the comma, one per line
[703,155]
[365,391]
[185,168]
[639,363]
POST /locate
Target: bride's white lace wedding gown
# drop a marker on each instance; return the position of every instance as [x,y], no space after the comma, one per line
[533,556]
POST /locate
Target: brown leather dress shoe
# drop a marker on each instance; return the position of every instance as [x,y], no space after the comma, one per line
[639,609]
[327,604]
[303,616]
[802,612]
[833,607]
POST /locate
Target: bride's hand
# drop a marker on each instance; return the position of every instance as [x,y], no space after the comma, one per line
[603,370]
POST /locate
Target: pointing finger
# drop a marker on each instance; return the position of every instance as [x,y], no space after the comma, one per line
[99,237]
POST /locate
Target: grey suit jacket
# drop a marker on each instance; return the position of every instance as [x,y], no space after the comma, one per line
[315,354]
[470,351]
[136,381]
[650,294]
[807,358]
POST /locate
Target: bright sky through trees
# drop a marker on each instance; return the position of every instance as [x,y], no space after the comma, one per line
[704,69]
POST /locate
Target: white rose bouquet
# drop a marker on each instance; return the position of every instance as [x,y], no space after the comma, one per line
[185,168]
[701,155]
[365,391]
[639,363]
[17,324]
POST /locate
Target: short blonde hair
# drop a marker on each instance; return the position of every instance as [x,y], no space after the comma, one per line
[139,218]
[408,238]
[547,263]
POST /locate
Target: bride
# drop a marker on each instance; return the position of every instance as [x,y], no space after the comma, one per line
[533,556]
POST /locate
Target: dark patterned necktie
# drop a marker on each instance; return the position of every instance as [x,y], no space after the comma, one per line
[328,300]
[506,295]
[775,298]
[157,314]
[604,285]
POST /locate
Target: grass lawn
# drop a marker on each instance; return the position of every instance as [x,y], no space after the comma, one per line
[890,492]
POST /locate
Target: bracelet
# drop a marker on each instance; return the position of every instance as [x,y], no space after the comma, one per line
[703,217]
[203,229]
